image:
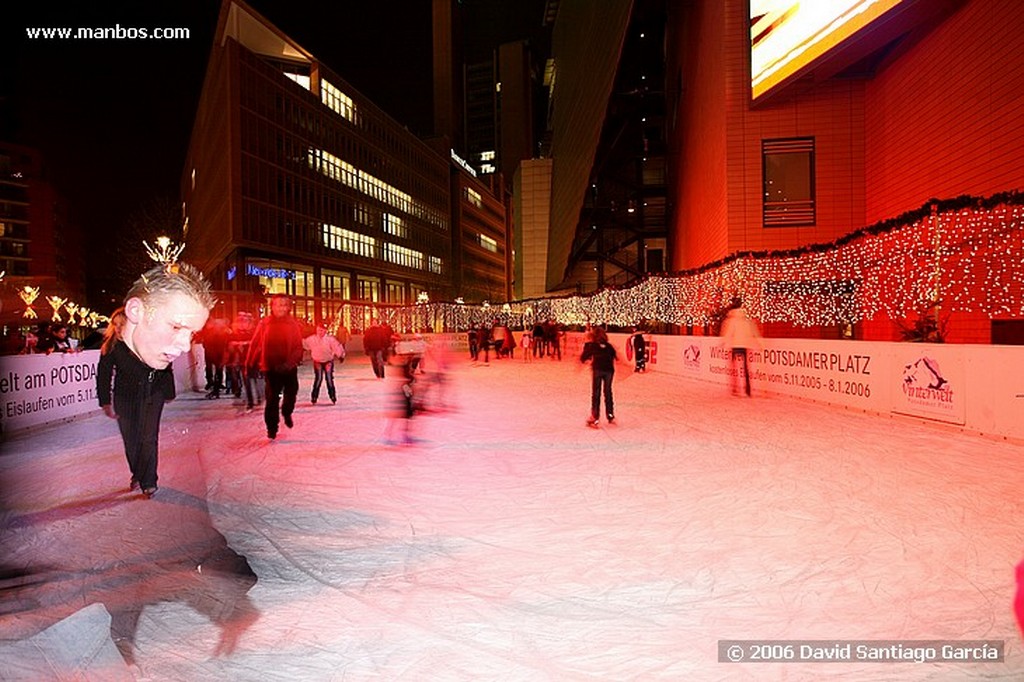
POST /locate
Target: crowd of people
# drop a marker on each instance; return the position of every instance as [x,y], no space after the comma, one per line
[47,337]
[167,313]
[544,339]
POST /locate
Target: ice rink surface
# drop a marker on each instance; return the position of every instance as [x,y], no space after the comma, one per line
[508,541]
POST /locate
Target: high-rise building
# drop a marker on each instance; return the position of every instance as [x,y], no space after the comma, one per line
[295,183]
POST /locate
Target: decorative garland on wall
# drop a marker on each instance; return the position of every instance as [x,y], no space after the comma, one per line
[958,255]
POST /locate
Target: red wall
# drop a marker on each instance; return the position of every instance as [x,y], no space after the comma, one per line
[941,118]
[946,117]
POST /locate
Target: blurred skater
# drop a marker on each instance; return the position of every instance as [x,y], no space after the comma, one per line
[740,334]
[399,425]
[276,347]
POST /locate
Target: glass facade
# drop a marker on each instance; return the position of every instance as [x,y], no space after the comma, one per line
[331,188]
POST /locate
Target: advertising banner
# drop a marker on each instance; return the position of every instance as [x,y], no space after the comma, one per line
[931,382]
[35,389]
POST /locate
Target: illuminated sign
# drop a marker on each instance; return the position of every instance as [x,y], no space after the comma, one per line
[272,273]
[462,162]
[788,35]
[232,271]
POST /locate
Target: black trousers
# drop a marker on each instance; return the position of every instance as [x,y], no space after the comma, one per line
[139,424]
[282,390]
[602,382]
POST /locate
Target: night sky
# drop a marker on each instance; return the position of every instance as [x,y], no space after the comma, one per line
[113,117]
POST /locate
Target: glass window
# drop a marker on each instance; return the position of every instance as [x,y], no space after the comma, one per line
[400,255]
[788,167]
[367,288]
[340,239]
[335,285]
[396,292]
[488,243]
[394,225]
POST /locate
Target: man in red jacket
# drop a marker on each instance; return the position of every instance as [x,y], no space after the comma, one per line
[276,348]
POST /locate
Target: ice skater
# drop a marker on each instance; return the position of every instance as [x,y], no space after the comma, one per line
[603,358]
[639,351]
[404,407]
[323,348]
[376,341]
[527,343]
[740,334]
[276,347]
[162,310]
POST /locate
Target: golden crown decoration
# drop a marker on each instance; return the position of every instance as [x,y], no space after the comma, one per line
[165,252]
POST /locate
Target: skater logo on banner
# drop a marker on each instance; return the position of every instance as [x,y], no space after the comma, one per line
[927,390]
[691,358]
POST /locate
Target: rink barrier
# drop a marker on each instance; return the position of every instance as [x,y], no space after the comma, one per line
[36,390]
[974,387]
[977,388]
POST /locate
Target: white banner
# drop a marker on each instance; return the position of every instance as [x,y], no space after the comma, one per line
[35,389]
[978,387]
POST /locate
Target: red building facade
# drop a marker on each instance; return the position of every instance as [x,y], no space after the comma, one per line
[927,105]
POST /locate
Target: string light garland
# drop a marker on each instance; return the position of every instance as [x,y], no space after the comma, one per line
[964,255]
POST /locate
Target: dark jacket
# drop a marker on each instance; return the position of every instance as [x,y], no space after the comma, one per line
[603,355]
[123,377]
[376,338]
[276,344]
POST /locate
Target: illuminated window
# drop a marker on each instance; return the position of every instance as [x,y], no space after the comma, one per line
[394,225]
[341,103]
[436,266]
[488,243]
[395,292]
[348,175]
[788,168]
[340,239]
[299,78]
[400,255]
[361,214]
[335,284]
[473,197]
[368,288]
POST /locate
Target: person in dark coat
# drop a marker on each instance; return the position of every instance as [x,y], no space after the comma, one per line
[639,351]
[602,357]
[376,340]
[276,348]
[162,311]
[216,336]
